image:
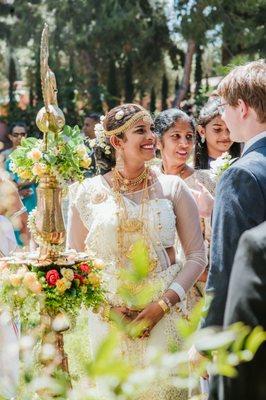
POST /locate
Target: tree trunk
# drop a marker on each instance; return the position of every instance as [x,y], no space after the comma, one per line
[198,70]
[129,85]
[164,105]
[182,91]
[12,76]
[94,88]
[153,101]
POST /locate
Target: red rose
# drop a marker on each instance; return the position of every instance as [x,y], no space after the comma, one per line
[52,277]
[85,268]
[79,277]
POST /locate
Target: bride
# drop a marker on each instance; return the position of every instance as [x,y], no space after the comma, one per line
[109,213]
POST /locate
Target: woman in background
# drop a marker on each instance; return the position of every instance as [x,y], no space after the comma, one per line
[176,132]
[26,190]
[212,139]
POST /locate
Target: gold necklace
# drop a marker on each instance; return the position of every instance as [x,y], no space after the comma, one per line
[181,173]
[126,184]
[127,225]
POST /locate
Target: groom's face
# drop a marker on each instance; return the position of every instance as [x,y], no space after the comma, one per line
[231,115]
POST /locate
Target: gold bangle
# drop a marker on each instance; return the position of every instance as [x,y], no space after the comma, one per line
[163,306]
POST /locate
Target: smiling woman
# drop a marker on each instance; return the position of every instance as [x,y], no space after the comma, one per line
[213,136]
[111,213]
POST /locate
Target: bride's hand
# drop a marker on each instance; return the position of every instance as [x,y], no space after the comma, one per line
[125,313]
[151,315]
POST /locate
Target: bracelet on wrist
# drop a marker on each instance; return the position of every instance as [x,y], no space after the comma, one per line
[163,306]
[167,301]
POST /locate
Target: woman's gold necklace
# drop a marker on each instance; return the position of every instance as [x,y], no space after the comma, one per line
[128,225]
[129,184]
[181,173]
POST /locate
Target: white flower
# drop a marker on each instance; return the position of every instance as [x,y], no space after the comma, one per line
[81,150]
[99,130]
[35,154]
[92,143]
[221,164]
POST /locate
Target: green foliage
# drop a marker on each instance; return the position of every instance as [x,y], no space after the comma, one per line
[65,157]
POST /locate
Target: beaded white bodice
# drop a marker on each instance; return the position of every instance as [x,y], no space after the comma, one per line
[98,210]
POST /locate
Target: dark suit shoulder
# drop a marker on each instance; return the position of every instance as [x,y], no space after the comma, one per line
[254,238]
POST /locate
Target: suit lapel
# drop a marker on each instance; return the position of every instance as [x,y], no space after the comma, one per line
[260,143]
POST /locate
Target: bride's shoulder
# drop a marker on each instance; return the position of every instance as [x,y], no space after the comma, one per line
[86,187]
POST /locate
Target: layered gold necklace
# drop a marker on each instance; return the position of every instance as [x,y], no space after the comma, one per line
[126,184]
[127,225]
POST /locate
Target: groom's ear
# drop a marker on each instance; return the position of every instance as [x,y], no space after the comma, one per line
[243,108]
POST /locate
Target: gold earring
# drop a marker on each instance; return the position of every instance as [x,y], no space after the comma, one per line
[119,161]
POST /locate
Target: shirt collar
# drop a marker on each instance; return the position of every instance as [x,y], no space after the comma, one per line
[253,140]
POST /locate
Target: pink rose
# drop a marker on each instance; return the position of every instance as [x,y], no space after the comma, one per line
[52,277]
[85,268]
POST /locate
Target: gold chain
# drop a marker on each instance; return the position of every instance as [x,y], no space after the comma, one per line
[127,184]
[126,224]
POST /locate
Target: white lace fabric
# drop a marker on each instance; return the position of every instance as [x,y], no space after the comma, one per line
[170,214]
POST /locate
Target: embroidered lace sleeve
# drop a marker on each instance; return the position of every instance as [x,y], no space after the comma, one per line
[189,232]
[76,230]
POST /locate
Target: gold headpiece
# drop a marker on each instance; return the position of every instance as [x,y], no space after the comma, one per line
[144,115]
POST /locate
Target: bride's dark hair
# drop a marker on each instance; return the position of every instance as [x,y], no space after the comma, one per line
[105,162]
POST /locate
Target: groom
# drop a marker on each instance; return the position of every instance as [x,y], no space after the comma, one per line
[240,202]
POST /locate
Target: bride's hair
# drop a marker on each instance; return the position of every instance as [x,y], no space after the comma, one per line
[114,119]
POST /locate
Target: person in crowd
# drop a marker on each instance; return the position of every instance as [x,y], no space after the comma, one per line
[89,123]
[241,193]
[12,208]
[4,141]
[9,346]
[27,190]
[109,213]
[176,133]
[246,302]
[213,138]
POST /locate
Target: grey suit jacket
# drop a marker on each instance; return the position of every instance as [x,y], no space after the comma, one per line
[240,204]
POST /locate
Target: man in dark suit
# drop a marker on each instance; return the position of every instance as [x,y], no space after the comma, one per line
[246,302]
[240,202]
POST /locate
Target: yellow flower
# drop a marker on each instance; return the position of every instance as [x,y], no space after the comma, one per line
[39,169]
[98,264]
[15,280]
[24,174]
[81,150]
[36,287]
[67,273]
[29,278]
[84,289]
[31,282]
[94,280]
[86,162]
[35,154]
[62,285]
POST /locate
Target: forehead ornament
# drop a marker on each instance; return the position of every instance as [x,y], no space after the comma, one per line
[119,115]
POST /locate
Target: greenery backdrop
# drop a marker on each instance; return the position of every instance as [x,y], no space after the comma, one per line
[156,52]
